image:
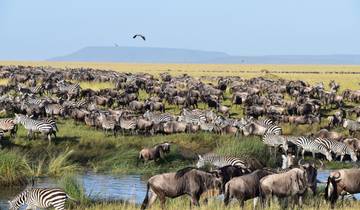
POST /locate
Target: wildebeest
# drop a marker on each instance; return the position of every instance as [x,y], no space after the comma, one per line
[340,183]
[188,181]
[154,153]
[244,187]
[292,183]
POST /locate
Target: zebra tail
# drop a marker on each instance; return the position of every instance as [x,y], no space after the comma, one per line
[146,199]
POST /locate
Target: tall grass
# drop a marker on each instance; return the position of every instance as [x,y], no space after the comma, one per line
[74,189]
[14,168]
[60,165]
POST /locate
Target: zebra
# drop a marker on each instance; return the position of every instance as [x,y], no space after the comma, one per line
[35,126]
[310,145]
[352,125]
[128,124]
[107,124]
[72,90]
[275,140]
[193,117]
[258,129]
[339,148]
[37,90]
[221,161]
[40,198]
[8,124]
[54,109]
[158,118]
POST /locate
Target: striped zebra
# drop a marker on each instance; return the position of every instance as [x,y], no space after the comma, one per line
[128,125]
[158,118]
[192,117]
[275,140]
[40,198]
[8,124]
[72,90]
[107,124]
[2,134]
[52,122]
[221,161]
[37,89]
[310,145]
[34,126]
[339,148]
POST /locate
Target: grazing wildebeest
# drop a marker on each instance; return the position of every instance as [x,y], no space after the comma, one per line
[292,183]
[154,153]
[340,183]
[188,181]
[244,187]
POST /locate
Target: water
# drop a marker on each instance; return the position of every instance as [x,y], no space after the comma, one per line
[99,186]
[108,187]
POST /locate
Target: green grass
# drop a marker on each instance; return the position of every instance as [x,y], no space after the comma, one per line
[14,169]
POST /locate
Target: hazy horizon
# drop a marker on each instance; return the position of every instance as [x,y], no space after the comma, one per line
[40,29]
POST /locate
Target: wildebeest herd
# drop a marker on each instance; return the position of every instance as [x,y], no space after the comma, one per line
[36,96]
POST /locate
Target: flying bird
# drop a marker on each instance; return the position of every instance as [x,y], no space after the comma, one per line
[140,35]
[116,45]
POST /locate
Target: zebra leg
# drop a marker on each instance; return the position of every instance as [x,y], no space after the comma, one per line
[313,154]
[49,137]
[303,153]
[341,157]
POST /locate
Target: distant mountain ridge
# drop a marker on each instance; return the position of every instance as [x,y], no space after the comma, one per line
[173,55]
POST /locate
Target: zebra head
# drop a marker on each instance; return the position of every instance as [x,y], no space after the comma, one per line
[201,162]
[18,201]
[328,155]
[18,118]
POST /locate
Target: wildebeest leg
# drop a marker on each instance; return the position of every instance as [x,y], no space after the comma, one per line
[162,201]
[195,199]
[153,197]
[241,202]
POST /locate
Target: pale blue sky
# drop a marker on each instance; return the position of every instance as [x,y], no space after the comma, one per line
[40,29]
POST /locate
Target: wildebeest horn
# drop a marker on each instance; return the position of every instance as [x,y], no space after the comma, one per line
[337,178]
[299,162]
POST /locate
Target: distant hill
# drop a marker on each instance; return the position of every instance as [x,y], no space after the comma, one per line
[172,55]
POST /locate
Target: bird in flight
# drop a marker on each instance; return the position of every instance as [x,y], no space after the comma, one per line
[116,45]
[140,35]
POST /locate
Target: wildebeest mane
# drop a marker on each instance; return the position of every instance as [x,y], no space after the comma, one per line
[183,171]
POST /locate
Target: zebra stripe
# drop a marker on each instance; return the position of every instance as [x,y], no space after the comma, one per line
[339,148]
[274,129]
[221,161]
[275,140]
[40,198]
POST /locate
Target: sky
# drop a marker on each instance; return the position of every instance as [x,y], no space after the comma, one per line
[41,29]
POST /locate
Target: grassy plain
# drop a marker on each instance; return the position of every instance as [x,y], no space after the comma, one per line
[79,148]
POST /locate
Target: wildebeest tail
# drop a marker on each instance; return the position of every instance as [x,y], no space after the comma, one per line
[146,199]
[331,191]
[226,195]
